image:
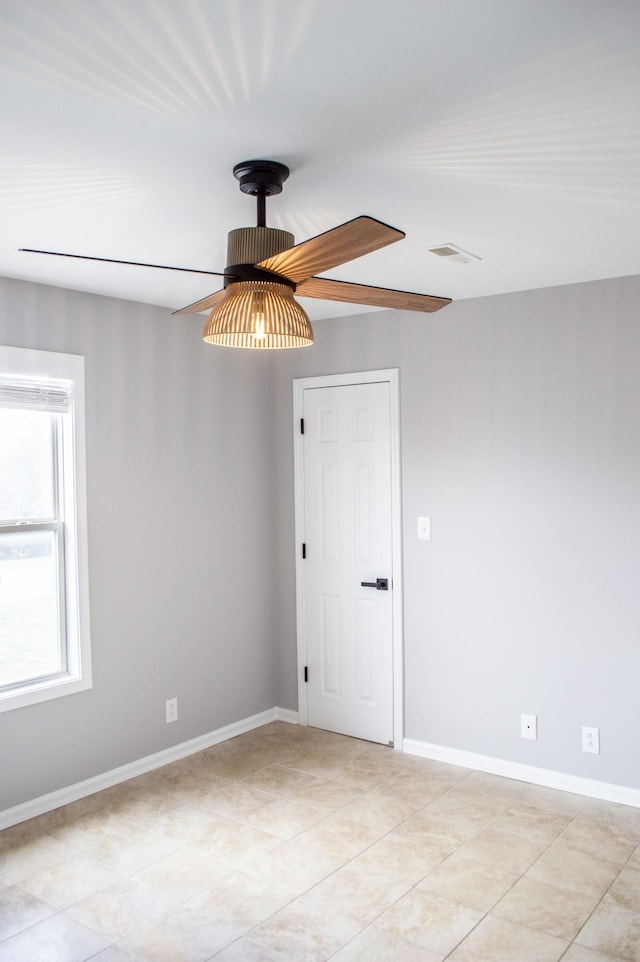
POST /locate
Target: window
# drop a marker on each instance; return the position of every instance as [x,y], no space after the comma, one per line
[44,600]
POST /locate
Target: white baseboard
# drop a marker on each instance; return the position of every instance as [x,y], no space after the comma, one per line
[287,715]
[525,773]
[47,803]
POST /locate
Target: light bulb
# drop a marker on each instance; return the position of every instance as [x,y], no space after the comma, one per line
[258,326]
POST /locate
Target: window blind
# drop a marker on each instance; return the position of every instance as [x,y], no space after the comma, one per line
[35,393]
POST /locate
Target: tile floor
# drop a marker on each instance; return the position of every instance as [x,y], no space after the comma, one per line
[290,843]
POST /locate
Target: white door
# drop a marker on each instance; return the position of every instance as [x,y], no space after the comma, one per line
[347,568]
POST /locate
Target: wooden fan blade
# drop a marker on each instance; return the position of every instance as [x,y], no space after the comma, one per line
[344,243]
[203,305]
[111,260]
[328,290]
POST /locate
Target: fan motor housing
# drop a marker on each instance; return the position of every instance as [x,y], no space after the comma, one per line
[247,246]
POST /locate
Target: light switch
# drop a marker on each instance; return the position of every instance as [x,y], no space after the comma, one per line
[424,529]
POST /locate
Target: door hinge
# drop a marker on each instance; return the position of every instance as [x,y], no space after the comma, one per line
[306,673]
[301,425]
[304,550]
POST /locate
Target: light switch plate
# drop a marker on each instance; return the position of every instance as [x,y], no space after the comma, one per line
[424,529]
[529,726]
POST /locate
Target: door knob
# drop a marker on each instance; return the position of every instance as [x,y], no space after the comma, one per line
[382,584]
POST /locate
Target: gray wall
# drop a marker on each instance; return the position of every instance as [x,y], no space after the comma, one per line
[521,440]
[180,535]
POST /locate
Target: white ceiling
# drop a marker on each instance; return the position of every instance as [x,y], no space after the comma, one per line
[510,128]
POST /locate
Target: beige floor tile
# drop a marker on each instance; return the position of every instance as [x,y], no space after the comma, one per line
[183,783]
[21,857]
[415,788]
[545,908]
[626,889]
[429,920]
[530,822]
[57,939]
[236,844]
[293,864]
[495,940]
[469,882]
[301,933]
[237,766]
[184,824]
[235,800]
[577,871]
[183,875]
[127,849]
[278,780]
[624,816]
[318,762]
[580,953]
[607,840]
[19,910]
[338,836]
[260,839]
[442,834]
[614,930]
[552,800]
[380,812]
[120,909]
[512,853]
[460,815]
[69,880]
[247,950]
[284,817]
[361,775]
[243,900]
[29,829]
[115,953]
[499,789]
[375,945]
[360,893]
[325,795]
[181,936]
[405,859]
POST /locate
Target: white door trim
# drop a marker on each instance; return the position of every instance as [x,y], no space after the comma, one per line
[392,377]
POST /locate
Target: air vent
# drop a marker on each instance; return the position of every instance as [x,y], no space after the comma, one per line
[454,254]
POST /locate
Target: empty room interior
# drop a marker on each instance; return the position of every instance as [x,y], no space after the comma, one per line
[319,629]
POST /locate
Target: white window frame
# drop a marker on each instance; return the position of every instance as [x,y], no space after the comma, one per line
[24,362]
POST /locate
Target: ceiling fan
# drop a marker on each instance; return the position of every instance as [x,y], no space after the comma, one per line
[256,307]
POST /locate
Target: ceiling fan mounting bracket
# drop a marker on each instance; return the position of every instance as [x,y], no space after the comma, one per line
[261,177]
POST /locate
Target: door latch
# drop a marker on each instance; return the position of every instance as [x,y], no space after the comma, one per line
[382,584]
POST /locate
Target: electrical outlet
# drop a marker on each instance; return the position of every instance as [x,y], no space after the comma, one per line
[172,710]
[591,740]
[529,726]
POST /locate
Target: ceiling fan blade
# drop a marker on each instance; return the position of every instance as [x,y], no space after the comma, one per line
[205,304]
[110,260]
[344,243]
[328,290]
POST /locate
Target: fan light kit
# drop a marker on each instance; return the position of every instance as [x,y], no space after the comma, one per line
[256,307]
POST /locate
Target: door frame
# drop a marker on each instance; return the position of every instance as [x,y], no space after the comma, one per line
[392,377]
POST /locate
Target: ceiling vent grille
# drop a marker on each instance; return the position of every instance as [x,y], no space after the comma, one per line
[453,253]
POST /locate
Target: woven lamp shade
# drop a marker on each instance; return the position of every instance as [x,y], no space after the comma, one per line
[258,314]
